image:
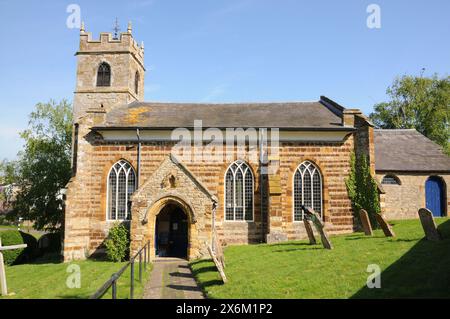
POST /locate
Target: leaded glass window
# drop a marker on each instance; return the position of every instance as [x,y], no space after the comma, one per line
[390,180]
[239,192]
[121,185]
[104,75]
[307,189]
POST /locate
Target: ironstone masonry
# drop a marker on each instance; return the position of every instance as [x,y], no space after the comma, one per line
[112,123]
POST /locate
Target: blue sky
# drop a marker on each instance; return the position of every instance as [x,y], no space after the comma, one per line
[224,50]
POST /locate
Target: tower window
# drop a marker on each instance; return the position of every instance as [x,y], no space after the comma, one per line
[136,83]
[104,75]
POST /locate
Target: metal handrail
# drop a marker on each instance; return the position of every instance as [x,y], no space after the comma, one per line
[112,282]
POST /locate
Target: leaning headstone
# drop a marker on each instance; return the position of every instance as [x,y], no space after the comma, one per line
[365,221]
[387,229]
[309,231]
[428,225]
[219,253]
[218,265]
[315,218]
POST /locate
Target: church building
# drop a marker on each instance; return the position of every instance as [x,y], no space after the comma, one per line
[128,165]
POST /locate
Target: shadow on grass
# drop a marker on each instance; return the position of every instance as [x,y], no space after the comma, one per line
[73,297]
[204,266]
[298,249]
[288,243]
[423,272]
[50,258]
[364,237]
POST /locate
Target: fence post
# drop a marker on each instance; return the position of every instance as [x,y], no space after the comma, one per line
[145,258]
[132,279]
[140,266]
[114,289]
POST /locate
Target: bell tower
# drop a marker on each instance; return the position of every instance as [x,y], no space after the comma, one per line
[110,72]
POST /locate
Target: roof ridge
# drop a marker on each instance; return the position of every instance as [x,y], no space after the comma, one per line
[224,103]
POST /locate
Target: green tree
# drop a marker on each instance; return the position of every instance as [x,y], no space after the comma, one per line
[362,188]
[422,103]
[43,166]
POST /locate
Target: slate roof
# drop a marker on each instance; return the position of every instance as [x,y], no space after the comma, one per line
[408,150]
[294,115]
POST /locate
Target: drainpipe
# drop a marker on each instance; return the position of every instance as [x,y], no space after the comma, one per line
[262,181]
[138,158]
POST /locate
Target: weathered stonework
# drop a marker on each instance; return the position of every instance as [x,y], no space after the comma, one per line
[404,201]
[190,195]
[124,56]
[197,188]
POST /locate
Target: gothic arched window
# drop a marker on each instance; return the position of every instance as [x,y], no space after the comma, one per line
[239,192]
[104,74]
[121,184]
[136,83]
[307,189]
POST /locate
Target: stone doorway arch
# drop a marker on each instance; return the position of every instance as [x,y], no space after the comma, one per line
[156,211]
[172,184]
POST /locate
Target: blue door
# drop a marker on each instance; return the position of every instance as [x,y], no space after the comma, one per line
[434,196]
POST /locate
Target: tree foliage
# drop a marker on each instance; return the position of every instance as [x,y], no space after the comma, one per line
[43,166]
[422,103]
[362,188]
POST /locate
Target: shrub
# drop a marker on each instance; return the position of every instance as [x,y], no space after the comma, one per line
[118,243]
[9,238]
[50,243]
[32,248]
[362,188]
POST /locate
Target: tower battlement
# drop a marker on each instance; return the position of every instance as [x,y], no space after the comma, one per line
[107,43]
[110,71]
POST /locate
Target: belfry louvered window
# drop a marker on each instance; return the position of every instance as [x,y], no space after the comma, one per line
[104,74]
[136,82]
[307,189]
[239,192]
[121,185]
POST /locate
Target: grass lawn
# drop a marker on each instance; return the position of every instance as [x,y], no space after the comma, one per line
[411,267]
[47,279]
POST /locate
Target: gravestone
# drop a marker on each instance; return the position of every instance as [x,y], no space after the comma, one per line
[309,231]
[315,218]
[218,265]
[387,229]
[365,221]
[4,287]
[428,225]
[219,252]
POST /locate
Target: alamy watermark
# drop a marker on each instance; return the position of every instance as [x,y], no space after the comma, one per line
[374,19]
[74,19]
[374,279]
[214,145]
[74,278]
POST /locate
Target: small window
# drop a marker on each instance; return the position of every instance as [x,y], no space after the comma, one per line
[390,180]
[136,83]
[104,75]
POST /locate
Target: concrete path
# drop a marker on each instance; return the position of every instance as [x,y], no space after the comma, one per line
[171,278]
